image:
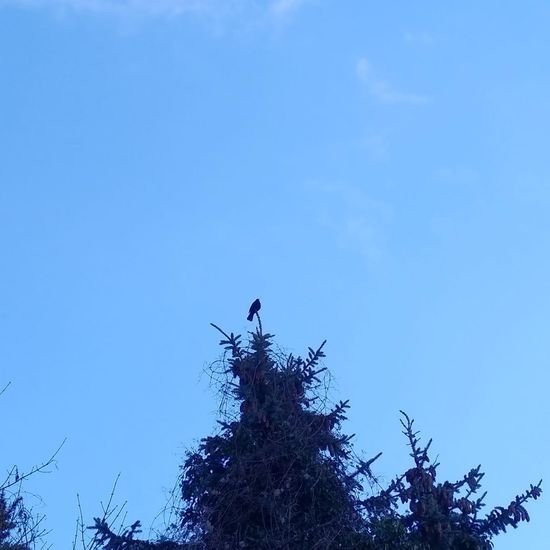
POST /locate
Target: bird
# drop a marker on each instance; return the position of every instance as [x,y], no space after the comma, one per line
[254,308]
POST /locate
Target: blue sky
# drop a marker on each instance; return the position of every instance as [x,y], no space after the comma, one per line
[376,173]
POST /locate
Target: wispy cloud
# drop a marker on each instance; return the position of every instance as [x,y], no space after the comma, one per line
[376,146]
[382,90]
[421,38]
[456,175]
[217,8]
[281,8]
[358,222]
[149,7]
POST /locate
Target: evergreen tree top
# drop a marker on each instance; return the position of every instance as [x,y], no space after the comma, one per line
[281,474]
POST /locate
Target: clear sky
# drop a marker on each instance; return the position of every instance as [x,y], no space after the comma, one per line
[376,172]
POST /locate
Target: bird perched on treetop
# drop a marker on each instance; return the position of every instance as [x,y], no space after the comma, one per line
[254,308]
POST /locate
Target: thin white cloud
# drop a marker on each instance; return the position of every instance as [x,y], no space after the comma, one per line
[358,222]
[421,38]
[143,7]
[282,8]
[217,8]
[381,89]
[376,146]
[456,175]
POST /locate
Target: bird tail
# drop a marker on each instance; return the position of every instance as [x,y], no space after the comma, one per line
[250,316]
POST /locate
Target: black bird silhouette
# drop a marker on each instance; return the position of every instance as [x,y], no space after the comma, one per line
[254,308]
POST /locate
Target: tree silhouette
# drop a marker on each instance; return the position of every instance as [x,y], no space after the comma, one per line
[20,528]
[281,474]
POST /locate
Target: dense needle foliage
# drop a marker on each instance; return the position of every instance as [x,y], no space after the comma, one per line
[280,474]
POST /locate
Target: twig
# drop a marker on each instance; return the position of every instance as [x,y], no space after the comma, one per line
[35,469]
[5,388]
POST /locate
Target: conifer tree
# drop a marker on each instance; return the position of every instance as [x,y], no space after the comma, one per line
[281,474]
[276,476]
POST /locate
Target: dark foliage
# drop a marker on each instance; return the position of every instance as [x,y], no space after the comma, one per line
[280,474]
[443,515]
[275,477]
[20,528]
[10,524]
